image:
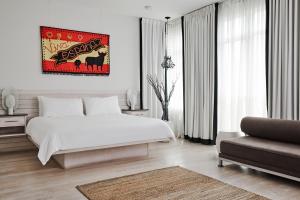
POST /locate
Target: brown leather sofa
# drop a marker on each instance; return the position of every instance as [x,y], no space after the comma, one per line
[271,146]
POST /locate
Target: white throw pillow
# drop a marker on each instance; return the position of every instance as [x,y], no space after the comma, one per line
[98,106]
[59,107]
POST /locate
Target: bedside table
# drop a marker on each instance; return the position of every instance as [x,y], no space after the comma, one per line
[137,112]
[12,133]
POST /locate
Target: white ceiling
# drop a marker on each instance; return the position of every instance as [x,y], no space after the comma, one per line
[160,8]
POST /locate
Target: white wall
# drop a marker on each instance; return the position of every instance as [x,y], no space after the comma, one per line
[20,48]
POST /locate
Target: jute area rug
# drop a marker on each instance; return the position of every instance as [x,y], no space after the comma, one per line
[167,183]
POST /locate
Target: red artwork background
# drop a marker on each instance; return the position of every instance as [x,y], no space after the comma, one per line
[74,52]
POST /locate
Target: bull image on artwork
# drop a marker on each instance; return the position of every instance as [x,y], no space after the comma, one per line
[98,61]
[77,64]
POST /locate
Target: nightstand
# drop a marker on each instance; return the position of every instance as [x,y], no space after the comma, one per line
[137,112]
[12,133]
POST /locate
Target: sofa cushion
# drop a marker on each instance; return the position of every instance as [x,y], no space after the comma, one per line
[273,129]
[271,155]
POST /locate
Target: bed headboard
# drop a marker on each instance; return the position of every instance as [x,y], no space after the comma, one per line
[28,102]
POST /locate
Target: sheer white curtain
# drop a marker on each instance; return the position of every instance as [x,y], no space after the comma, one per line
[174,41]
[199,72]
[153,48]
[241,62]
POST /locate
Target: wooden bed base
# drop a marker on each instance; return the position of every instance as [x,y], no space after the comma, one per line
[78,157]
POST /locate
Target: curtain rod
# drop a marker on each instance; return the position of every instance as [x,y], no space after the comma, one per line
[219,1]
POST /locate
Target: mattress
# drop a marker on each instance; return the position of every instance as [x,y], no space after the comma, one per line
[66,133]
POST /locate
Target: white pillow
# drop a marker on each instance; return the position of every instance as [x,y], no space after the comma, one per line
[59,107]
[98,106]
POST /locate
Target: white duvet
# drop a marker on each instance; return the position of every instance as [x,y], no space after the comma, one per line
[65,133]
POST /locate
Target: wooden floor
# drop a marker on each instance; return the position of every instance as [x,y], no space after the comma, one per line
[23,177]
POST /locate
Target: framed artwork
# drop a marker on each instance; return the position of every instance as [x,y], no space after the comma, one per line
[74,52]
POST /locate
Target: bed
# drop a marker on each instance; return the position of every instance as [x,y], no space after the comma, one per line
[78,140]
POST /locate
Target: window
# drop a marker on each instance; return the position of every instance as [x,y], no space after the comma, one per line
[241,62]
